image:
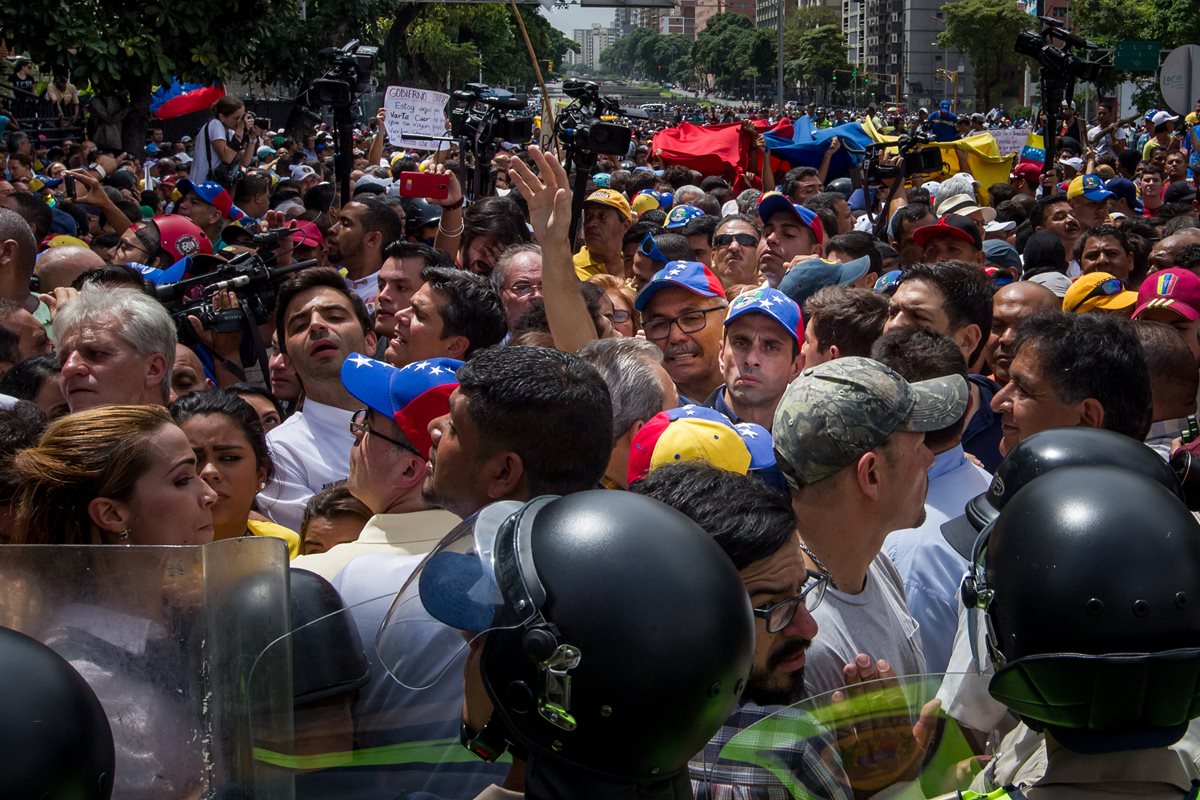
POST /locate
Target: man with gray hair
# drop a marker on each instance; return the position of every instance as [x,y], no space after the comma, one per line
[639,388]
[850,441]
[688,194]
[517,278]
[116,346]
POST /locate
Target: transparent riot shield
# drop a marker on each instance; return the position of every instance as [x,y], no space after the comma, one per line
[167,637]
[883,739]
[354,731]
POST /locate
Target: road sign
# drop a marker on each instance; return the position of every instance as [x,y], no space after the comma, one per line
[1136,55]
[1179,79]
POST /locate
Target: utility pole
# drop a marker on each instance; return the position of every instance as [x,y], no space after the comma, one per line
[952,76]
[779,54]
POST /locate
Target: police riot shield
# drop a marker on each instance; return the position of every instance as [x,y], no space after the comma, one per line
[377,707]
[168,638]
[887,738]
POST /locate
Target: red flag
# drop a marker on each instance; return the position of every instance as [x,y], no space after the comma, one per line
[726,149]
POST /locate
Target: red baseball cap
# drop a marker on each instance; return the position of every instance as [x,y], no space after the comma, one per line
[1028,171]
[1176,289]
[305,233]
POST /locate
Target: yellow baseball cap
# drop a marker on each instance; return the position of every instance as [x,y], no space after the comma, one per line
[612,199]
[1098,291]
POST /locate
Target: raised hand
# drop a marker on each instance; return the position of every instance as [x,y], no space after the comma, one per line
[547,195]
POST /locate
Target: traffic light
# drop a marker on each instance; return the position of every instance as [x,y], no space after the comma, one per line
[835,77]
[866,80]
[854,73]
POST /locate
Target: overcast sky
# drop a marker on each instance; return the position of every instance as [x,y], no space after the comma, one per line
[579,17]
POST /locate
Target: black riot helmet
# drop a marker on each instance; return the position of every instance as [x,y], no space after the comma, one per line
[419,214]
[55,741]
[1090,580]
[843,186]
[619,638]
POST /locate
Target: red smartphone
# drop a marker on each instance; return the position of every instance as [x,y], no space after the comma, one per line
[424,184]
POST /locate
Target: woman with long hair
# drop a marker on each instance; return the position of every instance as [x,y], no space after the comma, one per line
[229,139]
[112,475]
[227,438]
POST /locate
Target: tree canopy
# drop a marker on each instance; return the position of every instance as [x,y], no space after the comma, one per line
[733,51]
[985,30]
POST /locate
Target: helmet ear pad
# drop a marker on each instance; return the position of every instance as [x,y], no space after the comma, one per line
[648,689]
[1094,575]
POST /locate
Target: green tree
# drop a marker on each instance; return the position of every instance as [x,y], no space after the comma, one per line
[660,55]
[1169,22]
[985,30]
[815,56]
[732,50]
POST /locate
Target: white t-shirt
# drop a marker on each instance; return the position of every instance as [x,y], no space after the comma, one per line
[1105,145]
[201,163]
[311,450]
[875,621]
[366,288]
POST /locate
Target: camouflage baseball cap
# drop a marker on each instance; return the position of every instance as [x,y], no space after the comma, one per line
[835,412]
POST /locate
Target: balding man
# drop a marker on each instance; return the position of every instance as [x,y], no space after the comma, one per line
[59,266]
[1165,252]
[1009,305]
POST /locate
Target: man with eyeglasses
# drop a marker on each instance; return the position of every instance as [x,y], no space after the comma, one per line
[756,529]
[850,441]
[390,457]
[679,308]
[735,251]
[517,277]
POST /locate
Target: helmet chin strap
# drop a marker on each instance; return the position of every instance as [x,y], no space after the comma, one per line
[489,742]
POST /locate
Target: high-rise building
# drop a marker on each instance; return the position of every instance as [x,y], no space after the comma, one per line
[592,42]
[625,20]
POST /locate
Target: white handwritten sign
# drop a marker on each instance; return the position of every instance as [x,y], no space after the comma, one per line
[1010,140]
[419,111]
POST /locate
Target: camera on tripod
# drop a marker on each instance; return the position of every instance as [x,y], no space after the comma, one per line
[579,126]
[477,113]
[349,74]
[1039,45]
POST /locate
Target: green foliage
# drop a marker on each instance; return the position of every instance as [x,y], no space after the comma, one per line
[985,30]
[732,50]
[1169,22]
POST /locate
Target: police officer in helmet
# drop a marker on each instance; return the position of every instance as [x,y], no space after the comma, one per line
[608,638]
[1089,582]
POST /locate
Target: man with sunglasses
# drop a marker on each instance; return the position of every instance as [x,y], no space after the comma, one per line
[390,457]
[679,308]
[1099,293]
[735,250]
[756,529]
[850,441]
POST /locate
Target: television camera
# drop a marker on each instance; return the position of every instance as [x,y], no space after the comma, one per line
[584,134]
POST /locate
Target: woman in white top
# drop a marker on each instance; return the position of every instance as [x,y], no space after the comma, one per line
[223,139]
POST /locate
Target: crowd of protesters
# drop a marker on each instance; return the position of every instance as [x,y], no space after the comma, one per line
[439,356]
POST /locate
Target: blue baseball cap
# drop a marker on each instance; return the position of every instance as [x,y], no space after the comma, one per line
[214,194]
[772,303]
[808,277]
[680,216]
[999,253]
[888,282]
[944,105]
[690,275]
[1090,186]
[600,180]
[773,202]
[1124,189]
[413,395]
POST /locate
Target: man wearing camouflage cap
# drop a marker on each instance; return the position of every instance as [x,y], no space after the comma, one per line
[850,440]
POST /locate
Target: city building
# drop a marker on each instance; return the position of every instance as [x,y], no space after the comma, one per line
[592,42]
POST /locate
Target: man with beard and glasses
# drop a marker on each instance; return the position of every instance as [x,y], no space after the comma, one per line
[850,441]
[756,529]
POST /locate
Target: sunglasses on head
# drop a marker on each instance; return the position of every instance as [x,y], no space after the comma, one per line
[1106,288]
[650,250]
